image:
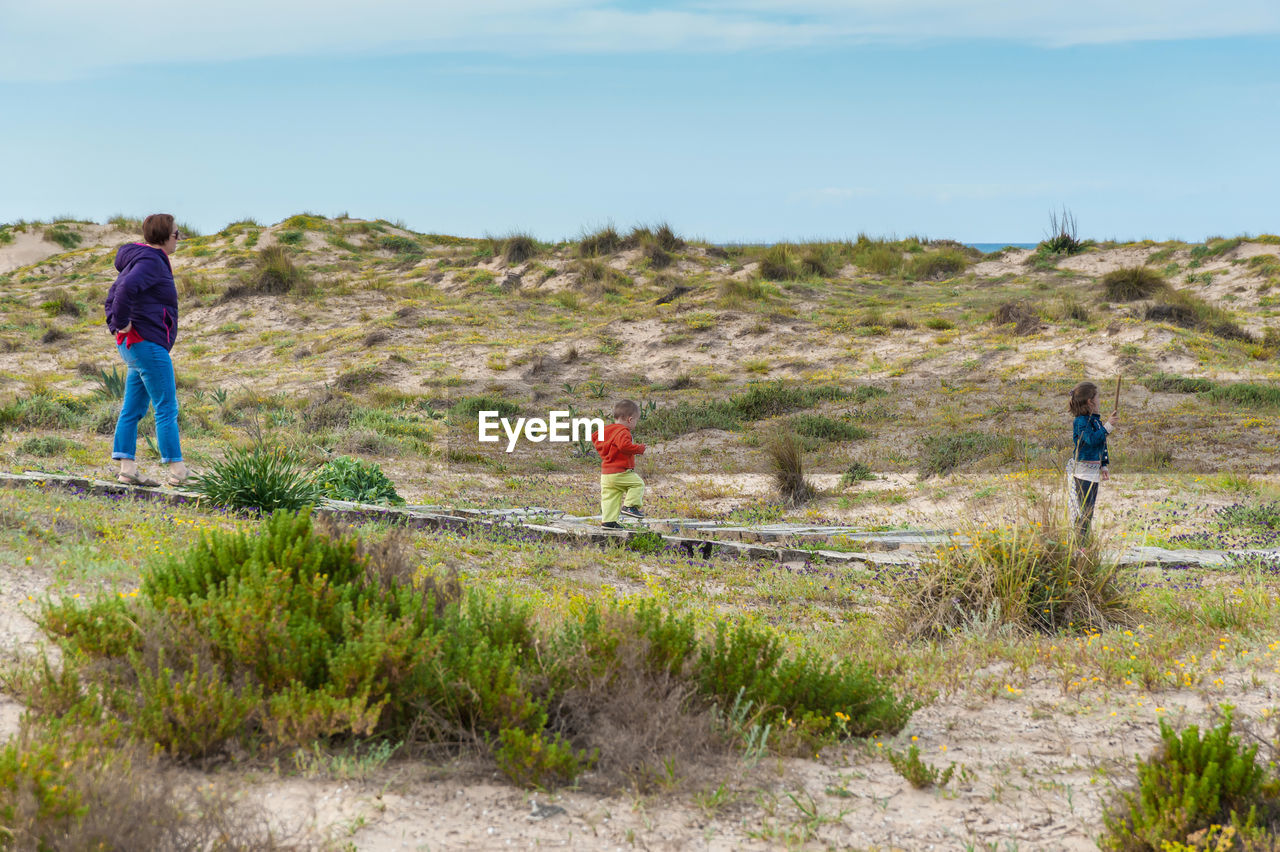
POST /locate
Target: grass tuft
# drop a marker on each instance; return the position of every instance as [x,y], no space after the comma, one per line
[1132,283]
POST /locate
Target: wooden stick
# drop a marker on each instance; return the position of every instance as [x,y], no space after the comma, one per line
[1118,380]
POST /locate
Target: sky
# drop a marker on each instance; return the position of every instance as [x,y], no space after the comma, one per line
[732,120]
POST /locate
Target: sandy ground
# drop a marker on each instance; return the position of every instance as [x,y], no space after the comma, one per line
[1033,770]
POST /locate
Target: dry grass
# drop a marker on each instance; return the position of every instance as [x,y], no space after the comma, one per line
[786,460]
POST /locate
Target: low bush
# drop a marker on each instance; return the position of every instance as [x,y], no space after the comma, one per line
[856,472]
[878,258]
[1170,383]
[937,265]
[941,454]
[1024,318]
[517,248]
[604,241]
[781,262]
[400,246]
[67,789]
[918,773]
[733,290]
[261,478]
[756,403]
[469,407]
[1196,788]
[62,305]
[1181,308]
[63,236]
[1247,394]
[47,445]
[827,428]
[1132,283]
[346,478]
[302,631]
[44,410]
[273,273]
[821,260]
[599,277]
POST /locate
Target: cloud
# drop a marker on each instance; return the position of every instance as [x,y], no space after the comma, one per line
[71,38]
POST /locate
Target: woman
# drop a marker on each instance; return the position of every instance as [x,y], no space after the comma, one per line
[142,312]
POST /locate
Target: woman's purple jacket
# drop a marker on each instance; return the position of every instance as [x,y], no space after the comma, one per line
[144,294]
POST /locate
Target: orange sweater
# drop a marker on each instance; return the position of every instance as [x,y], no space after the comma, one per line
[617,452]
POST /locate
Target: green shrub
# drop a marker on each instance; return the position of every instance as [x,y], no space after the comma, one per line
[733,290]
[1215,248]
[62,306]
[918,773]
[469,407]
[939,324]
[191,714]
[937,265]
[6,235]
[1247,394]
[856,472]
[63,236]
[1188,311]
[47,445]
[289,238]
[758,402]
[822,260]
[1191,784]
[600,275]
[259,477]
[745,662]
[878,258]
[827,428]
[646,541]
[44,410]
[346,478]
[781,262]
[539,760]
[272,273]
[401,246]
[1131,283]
[294,633]
[1170,383]
[941,454]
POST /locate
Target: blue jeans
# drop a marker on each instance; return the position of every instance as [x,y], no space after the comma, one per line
[149,382]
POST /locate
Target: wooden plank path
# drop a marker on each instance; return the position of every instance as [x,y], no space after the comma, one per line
[779,542]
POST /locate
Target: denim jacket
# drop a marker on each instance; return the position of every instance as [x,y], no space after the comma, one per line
[1089,438]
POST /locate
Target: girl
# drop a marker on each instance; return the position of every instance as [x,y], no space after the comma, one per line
[1088,465]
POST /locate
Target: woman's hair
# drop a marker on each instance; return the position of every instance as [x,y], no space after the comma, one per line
[1080,396]
[157,228]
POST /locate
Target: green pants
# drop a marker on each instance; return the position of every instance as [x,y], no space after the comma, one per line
[617,490]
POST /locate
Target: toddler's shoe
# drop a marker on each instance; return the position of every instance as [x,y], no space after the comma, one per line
[633,512]
[612,525]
